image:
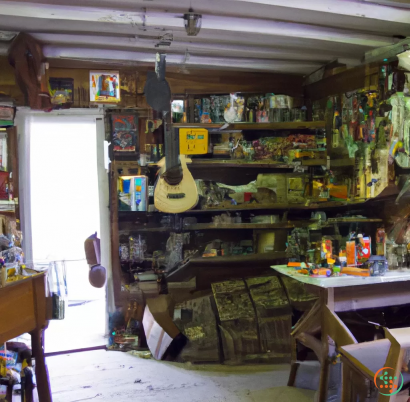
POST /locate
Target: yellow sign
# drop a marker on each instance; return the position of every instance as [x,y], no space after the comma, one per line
[193,141]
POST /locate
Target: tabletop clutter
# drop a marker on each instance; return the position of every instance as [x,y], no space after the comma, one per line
[330,258]
[12,267]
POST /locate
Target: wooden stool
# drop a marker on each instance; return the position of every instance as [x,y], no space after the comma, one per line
[364,360]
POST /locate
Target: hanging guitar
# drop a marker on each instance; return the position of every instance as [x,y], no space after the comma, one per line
[175,190]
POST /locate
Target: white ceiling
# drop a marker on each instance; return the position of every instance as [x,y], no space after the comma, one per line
[293,36]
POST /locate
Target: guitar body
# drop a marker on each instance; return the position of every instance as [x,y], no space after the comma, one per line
[178,198]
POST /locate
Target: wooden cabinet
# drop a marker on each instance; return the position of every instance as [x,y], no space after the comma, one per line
[23,308]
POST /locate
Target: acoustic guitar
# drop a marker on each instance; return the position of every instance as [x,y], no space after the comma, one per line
[175,190]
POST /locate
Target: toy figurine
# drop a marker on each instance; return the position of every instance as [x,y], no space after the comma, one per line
[378,265]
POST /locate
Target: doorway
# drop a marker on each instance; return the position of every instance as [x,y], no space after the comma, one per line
[65,210]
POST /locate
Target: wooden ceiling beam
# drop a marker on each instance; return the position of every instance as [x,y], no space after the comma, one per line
[128,33]
[352,8]
[163,20]
[296,36]
[180,47]
[351,13]
[133,58]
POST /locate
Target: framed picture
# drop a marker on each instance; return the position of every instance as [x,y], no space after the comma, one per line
[124,132]
[105,86]
[65,85]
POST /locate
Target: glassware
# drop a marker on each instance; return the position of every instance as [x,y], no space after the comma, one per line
[137,249]
[57,283]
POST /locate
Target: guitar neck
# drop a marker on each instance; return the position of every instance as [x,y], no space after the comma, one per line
[171,146]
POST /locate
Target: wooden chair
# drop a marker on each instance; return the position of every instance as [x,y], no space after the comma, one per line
[334,334]
[364,360]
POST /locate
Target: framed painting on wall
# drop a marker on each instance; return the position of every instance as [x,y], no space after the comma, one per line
[124,132]
[105,86]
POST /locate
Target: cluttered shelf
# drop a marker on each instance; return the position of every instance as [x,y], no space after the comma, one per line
[294,125]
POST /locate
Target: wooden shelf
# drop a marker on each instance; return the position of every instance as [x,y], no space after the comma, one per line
[238,259]
[211,226]
[7,206]
[247,207]
[252,226]
[353,220]
[294,125]
[239,163]
[145,230]
[231,226]
[232,259]
[129,215]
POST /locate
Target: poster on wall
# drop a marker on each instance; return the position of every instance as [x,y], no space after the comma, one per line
[61,90]
[104,86]
[7,116]
[124,132]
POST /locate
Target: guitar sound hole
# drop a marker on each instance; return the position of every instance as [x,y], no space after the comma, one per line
[176,195]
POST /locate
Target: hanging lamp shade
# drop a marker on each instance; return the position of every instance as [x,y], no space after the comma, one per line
[193,23]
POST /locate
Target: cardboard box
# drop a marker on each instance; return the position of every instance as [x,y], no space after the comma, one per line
[160,330]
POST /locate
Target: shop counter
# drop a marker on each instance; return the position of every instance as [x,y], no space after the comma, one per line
[338,294]
[23,308]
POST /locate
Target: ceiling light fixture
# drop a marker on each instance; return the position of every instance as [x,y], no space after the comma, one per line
[193,23]
[7,35]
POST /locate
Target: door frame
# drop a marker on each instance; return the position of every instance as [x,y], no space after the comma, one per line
[24,118]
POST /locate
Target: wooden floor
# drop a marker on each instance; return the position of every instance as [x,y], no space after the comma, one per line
[102,376]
